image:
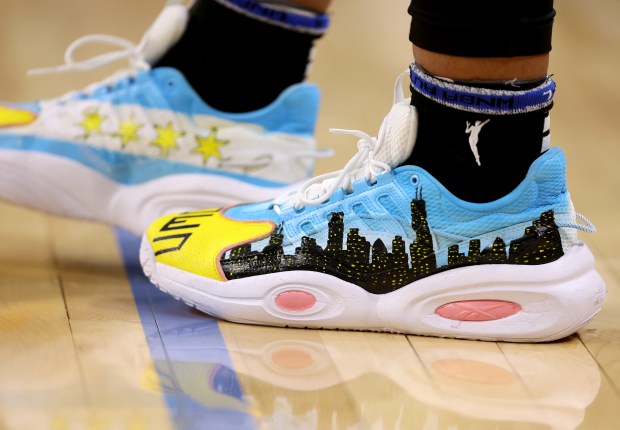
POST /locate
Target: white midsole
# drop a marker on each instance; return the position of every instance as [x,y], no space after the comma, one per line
[64,187]
[556,298]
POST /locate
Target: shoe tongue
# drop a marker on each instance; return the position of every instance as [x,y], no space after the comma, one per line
[397,134]
[165,31]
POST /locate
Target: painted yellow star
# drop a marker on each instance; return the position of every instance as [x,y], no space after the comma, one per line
[92,122]
[128,131]
[166,138]
[209,146]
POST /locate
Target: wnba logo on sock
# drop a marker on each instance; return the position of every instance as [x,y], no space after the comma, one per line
[474,133]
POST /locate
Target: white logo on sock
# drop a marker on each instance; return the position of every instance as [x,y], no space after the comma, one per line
[474,132]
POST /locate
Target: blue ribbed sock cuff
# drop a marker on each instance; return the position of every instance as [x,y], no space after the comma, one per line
[303,22]
[481,100]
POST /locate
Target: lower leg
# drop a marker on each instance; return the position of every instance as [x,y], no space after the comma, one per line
[526,67]
[240,55]
[482,39]
[480,56]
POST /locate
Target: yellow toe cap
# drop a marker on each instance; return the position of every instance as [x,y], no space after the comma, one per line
[12,117]
[195,241]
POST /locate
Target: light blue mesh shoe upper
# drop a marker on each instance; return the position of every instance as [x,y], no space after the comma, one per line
[383,210]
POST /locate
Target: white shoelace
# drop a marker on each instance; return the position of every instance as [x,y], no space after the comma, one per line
[165,30]
[129,51]
[320,188]
[264,161]
[582,224]
[363,164]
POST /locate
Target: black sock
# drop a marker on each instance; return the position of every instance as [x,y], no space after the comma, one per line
[240,55]
[511,129]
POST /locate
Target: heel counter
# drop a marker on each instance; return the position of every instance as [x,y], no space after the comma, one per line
[294,112]
[550,178]
[553,190]
[301,104]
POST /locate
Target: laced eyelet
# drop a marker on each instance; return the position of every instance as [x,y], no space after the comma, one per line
[415,180]
[361,164]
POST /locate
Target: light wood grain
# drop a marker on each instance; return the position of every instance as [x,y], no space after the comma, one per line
[93,277]
[73,352]
[39,369]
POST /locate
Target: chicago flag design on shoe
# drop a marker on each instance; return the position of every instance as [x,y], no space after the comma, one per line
[142,143]
[384,247]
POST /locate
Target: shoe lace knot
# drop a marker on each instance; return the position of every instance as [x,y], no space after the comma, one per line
[362,165]
[375,155]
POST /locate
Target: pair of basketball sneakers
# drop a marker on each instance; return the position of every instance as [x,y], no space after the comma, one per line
[376,246]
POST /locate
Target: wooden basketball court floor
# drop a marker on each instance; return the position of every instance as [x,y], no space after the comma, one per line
[86,343]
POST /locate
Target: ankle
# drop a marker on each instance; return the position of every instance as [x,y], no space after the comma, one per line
[478,142]
[227,40]
[525,67]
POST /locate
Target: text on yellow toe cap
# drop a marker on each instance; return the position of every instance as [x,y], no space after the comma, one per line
[195,241]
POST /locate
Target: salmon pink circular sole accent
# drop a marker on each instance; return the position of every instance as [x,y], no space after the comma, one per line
[295,300]
[478,310]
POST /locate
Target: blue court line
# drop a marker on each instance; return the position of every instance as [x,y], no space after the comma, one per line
[199,383]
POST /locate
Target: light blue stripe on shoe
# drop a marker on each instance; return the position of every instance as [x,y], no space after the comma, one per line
[124,168]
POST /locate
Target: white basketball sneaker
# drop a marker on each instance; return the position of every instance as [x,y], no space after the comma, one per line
[384,246]
[142,143]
